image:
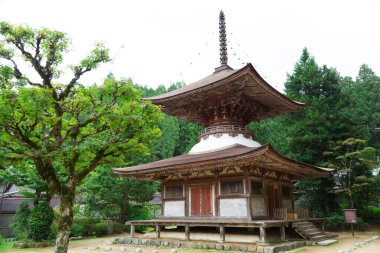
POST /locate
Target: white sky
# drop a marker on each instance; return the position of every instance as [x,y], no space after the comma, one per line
[161,42]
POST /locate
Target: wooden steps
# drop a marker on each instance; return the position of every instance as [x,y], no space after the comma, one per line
[309,231]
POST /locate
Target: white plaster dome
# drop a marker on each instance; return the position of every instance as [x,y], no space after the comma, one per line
[213,139]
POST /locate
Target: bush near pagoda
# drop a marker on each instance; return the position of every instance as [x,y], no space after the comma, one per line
[65,130]
[20,222]
[40,221]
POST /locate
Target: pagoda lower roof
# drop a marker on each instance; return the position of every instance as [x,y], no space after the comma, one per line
[225,87]
[237,155]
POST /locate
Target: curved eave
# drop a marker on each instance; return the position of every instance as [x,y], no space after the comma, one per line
[274,161]
[254,89]
[224,78]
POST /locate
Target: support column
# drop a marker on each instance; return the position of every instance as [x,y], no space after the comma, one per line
[158,231]
[132,230]
[263,235]
[222,233]
[187,232]
[282,232]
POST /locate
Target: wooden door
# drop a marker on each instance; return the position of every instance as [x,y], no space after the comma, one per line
[201,201]
[273,201]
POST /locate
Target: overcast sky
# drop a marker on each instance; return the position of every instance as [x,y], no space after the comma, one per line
[161,42]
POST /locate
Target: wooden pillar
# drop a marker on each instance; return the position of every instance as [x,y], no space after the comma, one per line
[132,230]
[222,233]
[263,235]
[187,232]
[282,232]
[158,231]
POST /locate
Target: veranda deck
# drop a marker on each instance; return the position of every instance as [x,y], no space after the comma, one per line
[222,224]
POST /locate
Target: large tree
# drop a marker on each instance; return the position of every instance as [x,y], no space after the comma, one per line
[353,163]
[65,130]
[310,130]
[111,196]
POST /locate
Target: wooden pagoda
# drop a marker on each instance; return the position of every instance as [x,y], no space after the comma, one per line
[227,178]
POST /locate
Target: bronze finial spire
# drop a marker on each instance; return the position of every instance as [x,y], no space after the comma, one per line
[222,39]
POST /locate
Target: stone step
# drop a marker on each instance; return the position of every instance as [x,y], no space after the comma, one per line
[327,242]
[304,228]
[313,234]
[301,222]
[312,230]
[321,237]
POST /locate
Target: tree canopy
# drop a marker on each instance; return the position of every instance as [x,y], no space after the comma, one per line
[65,130]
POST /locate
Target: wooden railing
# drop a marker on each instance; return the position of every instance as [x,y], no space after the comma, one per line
[302,213]
[284,214]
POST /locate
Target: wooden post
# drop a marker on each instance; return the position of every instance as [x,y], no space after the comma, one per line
[263,235]
[187,232]
[222,234]
[282,231]
[158,231]
[132,230]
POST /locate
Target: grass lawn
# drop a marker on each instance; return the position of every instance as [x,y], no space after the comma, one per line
[6,246]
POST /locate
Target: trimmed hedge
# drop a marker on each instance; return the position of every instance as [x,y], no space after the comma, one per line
[20,221]
[101,228]
[40,221]
[372,215]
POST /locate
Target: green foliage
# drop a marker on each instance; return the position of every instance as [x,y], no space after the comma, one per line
[20,221]
[40,221]
[139,213]
[2,239]
[101,228]
[118,228]
[108,195]
[83,226]
[65,130]
[32,244]
[372,215]
[312,128]
[363,104]
[335,221]
[353,163]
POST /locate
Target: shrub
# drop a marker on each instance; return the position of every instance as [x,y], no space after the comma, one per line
[40,221]
[372,214]
[82,226]
[101,228]
[335,221]
[20,221]
[118,228]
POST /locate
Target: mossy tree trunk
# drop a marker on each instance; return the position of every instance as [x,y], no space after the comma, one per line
[65,221]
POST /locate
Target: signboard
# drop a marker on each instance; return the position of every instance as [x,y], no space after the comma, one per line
[350,216]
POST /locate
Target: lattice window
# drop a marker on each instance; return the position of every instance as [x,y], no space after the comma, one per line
[285,191]
[175,191]
[256,187]
[229,187]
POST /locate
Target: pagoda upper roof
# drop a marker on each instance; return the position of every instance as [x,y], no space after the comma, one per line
[256,99]
[237,155]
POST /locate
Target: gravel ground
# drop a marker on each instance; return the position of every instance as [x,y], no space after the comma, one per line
[102,245]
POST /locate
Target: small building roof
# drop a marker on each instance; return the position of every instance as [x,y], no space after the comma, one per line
[12,204]
[237,155]
[225,87]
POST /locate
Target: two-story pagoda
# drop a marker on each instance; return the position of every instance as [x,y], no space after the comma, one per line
[227,178]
